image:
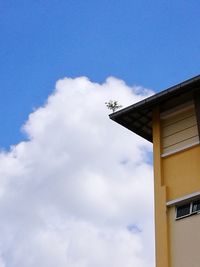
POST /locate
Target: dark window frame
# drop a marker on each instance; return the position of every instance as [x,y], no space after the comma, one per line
[191,208]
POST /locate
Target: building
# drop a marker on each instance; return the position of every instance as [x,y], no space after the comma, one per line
[171,120]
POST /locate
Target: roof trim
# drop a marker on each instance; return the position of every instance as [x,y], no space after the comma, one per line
[154,99]
[149,103]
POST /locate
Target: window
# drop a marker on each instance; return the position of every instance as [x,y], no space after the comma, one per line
[196,206]
[182,211]
[188,209]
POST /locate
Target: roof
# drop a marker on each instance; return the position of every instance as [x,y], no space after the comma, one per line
[138,117]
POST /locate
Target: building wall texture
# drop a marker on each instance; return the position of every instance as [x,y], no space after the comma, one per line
[176,175]
[184,240]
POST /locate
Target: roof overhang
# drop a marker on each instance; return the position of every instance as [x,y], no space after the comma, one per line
[138,117]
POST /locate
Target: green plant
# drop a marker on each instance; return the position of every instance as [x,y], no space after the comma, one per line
[113,105]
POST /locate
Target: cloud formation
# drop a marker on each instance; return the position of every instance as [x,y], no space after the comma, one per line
[79,192]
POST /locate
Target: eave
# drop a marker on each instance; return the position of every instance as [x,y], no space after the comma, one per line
[138,117]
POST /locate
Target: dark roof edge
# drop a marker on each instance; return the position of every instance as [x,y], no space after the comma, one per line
[152,100]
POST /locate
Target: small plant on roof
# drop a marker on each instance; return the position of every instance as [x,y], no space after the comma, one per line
[113,105]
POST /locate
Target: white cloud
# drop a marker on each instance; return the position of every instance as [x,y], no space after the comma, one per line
[79,192]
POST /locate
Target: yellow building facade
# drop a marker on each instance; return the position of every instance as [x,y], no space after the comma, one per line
[171,121]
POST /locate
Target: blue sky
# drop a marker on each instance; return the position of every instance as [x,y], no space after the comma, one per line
[151,43]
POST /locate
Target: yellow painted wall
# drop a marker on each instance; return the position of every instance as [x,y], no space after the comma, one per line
[161,227]
[181,172]
[175,175]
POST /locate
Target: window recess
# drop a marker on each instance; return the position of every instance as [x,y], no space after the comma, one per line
[187,209]
[183,211]
[196,206]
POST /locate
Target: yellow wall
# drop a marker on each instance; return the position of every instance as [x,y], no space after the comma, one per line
[181,172]
[175,175]
[161,228]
